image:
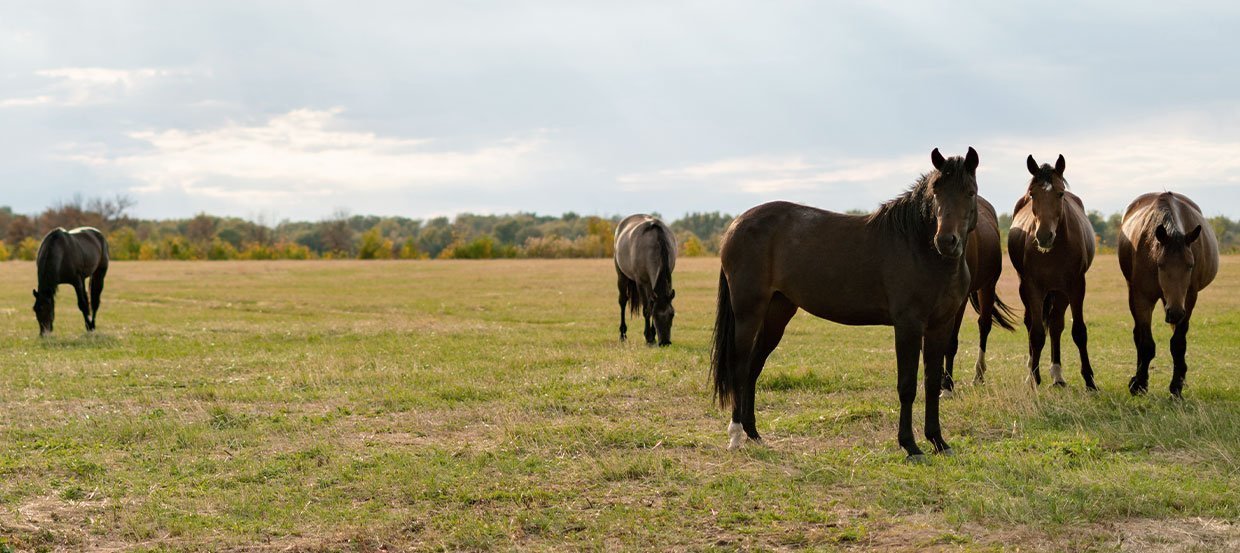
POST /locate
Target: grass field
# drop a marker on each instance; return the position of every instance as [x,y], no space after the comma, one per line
[488,405]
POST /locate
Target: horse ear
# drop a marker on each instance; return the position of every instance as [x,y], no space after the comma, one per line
[937,159]
[971,160]
[1160,234]
[1060,165]
[1031,165]
[1192,236]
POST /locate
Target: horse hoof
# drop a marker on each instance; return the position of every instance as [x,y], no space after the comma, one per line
[758,441]
[948,452]
[917,459]
[946,394]
[978,380]
[1060,384]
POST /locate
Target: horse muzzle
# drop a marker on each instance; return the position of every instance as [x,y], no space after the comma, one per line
[949,246]
[1175,315]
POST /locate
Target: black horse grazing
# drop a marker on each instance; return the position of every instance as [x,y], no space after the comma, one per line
[645,258]
[1051,245]
[1167,252]
[902,266]
[70,257]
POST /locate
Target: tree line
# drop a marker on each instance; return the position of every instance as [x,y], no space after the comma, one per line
[347,236]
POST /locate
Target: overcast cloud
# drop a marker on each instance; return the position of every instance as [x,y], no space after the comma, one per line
[296,109]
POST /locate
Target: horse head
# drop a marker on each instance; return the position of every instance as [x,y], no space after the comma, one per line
[953,187]
[663,315]
[44,311]
[1046,190]
[1175,268]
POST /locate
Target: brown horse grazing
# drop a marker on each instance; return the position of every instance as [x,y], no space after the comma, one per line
[985,259]
[1051,245]
[902,266]
[645,257]
[70,257]
[1167,252]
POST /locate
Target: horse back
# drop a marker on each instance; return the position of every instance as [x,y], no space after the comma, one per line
[835,266]
[640,241]
[1136,240]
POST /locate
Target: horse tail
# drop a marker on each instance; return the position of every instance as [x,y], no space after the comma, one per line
[1003,315]
[636,299]
[721,351]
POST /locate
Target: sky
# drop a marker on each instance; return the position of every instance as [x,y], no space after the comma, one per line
[296,110]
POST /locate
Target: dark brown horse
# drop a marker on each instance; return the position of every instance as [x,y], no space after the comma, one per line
[1051,244]
[645,257]
[70,257]
[902,266]
[1167,252]
[985,259]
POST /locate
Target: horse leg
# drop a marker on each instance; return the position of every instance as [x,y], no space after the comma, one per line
[908,348]
[948,386]
[1179,345]
[1037,332]
[779,311]
[748,324]
[938,338]
[96,294]
[622,282]
[79,286]
[1142,308]
[1080,335]
[1059,305]
[985,319]
[647,312]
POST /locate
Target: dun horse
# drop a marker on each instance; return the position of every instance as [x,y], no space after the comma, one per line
[1167,252]
[985,259]
[1051,244]
[645,257]
[902,266]
[70,257]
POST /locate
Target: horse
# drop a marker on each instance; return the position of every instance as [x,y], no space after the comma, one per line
[1051,245]
[902,266]
[70,257]
[645,258]
[985,259]
[1161,260]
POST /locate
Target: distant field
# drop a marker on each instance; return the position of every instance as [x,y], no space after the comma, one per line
[488,405]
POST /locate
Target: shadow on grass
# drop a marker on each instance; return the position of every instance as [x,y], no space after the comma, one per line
[86,340]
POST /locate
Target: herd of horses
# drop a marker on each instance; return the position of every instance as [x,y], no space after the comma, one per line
[914,264]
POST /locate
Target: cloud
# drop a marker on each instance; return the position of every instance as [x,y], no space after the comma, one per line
[303,153]
[81,86]
[775,174]
[1184,152]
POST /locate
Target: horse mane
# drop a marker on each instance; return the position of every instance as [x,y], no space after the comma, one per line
[907,213]
[1048,174]
[663,282]
[49,276]
[1163,215]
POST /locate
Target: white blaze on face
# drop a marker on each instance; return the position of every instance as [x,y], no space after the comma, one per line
[1048,186]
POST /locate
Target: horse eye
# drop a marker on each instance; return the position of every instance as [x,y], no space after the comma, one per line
[1191,265]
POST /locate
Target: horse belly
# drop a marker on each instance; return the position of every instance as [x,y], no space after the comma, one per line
[838,302]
